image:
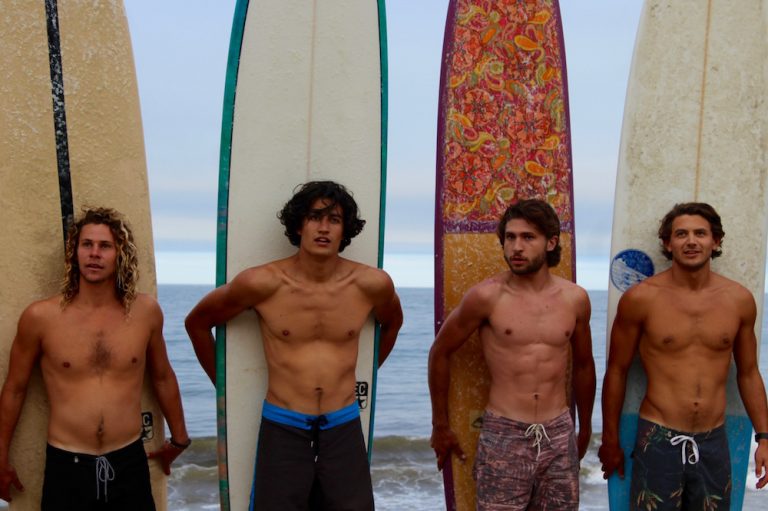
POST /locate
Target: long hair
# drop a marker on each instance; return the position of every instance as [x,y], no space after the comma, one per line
[299,206]
[701,209]
[127,264]
[540,214]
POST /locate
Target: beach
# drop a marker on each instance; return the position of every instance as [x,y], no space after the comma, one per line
[403,467]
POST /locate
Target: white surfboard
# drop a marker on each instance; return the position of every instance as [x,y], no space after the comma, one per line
[304,101]
[695,125]
[70,136]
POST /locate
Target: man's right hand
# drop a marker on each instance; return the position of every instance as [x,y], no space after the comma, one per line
[8,477]
[444,442]
[612,458]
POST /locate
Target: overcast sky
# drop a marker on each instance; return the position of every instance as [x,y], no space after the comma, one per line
[180,48]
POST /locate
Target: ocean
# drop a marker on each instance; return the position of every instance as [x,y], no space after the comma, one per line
[403,467]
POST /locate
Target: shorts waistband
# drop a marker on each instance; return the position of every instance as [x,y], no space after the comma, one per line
[562,424]
[307,422]
[78,457]
[703,435]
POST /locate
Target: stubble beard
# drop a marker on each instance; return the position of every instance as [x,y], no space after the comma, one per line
[533,266]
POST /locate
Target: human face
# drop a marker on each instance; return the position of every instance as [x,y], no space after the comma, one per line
[691,241]
[322,231]
[525,247]
[96,253]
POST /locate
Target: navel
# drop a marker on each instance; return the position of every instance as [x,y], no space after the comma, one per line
[134,360]
[508,331]
[66,365]
[100,430]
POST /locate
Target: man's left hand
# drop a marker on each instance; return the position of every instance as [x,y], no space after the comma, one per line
[166,455]
[761,463]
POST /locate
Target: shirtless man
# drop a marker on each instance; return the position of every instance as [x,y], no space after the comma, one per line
[529,321]
[686,323]
[93,342]
[312,307]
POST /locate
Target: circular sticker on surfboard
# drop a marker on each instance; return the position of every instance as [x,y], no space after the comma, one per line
[629,267]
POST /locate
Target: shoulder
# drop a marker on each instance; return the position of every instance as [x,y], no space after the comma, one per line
[485,294]
[734,292]
[41,311]
[255,284]
[146,308]
[572,291]
[372,281]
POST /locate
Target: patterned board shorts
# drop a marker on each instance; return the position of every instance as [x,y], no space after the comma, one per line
[676,470]
[527,466]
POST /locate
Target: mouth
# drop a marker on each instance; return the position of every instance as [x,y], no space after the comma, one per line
[322,240]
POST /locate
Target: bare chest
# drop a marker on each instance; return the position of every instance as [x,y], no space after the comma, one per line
[674,325]
[95,347]
[519,323]
[315,315]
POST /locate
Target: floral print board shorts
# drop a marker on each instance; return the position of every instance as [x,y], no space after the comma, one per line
[523,466]
[676,470]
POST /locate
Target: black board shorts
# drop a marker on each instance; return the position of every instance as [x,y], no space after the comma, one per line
[311,463]
[675,470]
[115,481]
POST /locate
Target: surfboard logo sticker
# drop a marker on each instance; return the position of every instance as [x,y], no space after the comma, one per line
[147,426]
[361,391]
[629,267]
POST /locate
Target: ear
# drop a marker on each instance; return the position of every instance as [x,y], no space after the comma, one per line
[552,243]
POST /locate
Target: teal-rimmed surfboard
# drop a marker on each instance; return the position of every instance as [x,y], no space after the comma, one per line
[305,99]
[695,125]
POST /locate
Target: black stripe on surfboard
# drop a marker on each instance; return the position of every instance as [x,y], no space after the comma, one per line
[59,116]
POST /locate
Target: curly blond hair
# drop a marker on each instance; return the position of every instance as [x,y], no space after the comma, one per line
[127,273]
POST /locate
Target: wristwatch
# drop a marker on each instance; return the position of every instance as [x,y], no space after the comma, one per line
[761,436]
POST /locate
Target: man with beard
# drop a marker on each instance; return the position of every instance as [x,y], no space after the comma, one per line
[529,321]
[686,323]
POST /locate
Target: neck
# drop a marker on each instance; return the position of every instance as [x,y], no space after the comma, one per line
[96,294]
[691,278]
[531,281]
[315,268]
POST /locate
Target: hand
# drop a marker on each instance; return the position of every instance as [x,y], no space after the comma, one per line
[612,458]
[582,441]
[166,455]
[8,478]
[444,442]
[761,463]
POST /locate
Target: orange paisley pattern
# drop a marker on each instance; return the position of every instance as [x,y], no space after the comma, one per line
[505,130]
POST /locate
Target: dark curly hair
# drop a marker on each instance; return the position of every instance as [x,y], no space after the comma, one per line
[297,209]
[702,209]
[540,214]
[127,271]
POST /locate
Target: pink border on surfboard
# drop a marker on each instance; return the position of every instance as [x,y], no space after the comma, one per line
[570,227]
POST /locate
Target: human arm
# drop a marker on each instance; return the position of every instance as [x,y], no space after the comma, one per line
[625,336]
[216,308]
[25,351]
[166,388]
[750,382]
[457,328]
[583,371]
[388,314]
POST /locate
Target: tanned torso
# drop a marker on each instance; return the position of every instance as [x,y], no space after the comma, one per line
[93,362]
[311,331]
[526,343]
[685,345]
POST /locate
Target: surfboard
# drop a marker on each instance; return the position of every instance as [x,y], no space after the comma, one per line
[503,135]
[70,136]
[694,124]
[305,99]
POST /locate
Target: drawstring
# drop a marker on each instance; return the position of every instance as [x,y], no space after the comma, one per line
[686,440]
[316,424]
[104,474]
[538,432]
